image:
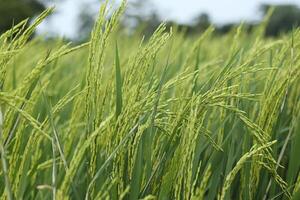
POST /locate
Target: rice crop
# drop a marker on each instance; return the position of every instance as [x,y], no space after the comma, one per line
[166,117]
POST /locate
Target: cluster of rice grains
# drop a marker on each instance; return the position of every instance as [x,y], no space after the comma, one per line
[168,117]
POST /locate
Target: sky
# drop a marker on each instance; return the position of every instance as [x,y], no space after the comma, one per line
[64,21]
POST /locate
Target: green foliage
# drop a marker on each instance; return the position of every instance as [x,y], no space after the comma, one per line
[170,117]
[283,19]
[13,12]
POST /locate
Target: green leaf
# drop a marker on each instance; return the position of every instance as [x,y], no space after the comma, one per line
[119,100]
[137,173]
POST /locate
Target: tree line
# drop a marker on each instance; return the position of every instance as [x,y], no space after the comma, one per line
[283,19]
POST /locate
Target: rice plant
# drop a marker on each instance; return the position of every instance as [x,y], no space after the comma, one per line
[168,117]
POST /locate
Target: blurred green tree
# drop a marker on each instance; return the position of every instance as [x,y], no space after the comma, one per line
[283,19]
[14,11]
[202,22]
[141,13]
[86,23]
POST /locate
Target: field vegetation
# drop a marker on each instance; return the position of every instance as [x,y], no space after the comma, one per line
[166,117]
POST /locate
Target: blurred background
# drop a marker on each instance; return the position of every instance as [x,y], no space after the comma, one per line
[73,19]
